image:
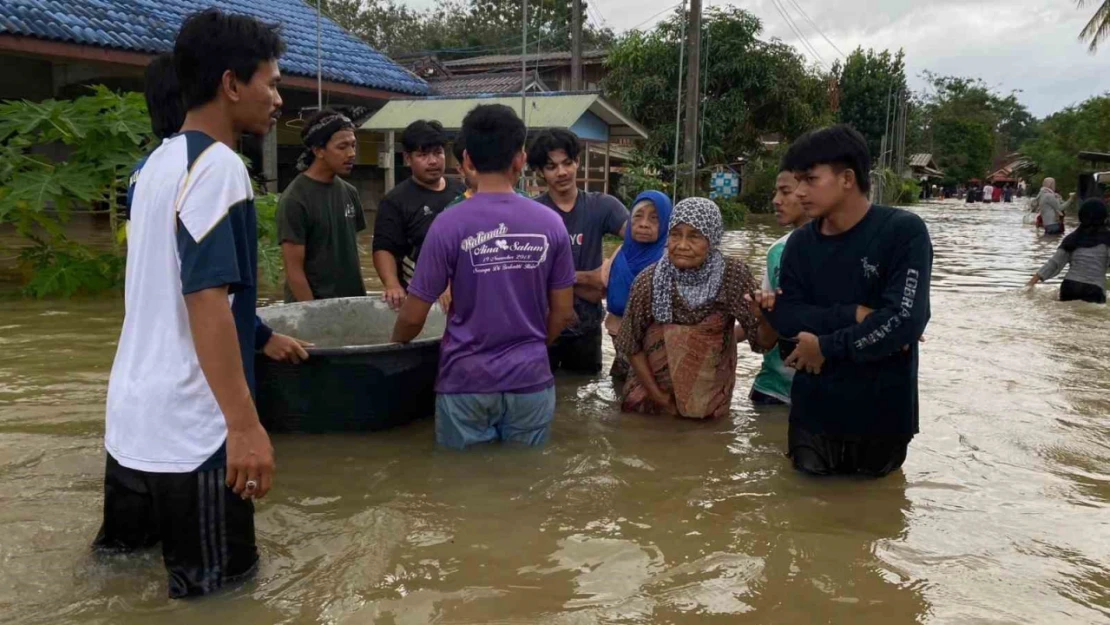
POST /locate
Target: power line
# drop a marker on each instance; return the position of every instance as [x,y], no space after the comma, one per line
[604,20]
[815,27]
[805,42]
[599,21]
[781,8]
[593,22]
[670,8]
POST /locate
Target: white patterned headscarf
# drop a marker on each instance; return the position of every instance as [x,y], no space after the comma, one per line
[696,286]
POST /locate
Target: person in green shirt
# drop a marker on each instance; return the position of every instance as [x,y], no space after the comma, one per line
[772,384]
[320,215]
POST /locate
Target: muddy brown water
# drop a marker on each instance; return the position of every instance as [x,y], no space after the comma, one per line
[1001,514]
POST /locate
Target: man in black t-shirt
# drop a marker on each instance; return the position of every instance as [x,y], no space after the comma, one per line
[855,301]
[320,215]
[588,218]
[406,212]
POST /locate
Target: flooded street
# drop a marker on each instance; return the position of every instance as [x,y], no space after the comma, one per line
[1001,514]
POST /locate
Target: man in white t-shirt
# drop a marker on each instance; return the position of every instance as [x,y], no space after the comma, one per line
[186,451]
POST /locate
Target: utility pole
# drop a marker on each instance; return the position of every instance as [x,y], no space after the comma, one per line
[523,61]
[693,91]
[886,125]
[576,45]
[901,162]
[895,129]
[678,106]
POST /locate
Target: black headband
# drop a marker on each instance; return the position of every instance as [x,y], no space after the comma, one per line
[318,134]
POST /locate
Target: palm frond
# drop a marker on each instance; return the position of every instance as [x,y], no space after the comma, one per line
[1098,29]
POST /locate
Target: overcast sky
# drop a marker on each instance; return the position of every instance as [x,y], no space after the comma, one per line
[1028,45]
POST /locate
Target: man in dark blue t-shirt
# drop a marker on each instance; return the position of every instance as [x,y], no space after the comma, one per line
[588,218]
[854,303]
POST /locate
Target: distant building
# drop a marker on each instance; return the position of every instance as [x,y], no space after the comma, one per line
[501,74]
[505,83]
[923,167]
[56,48]
[1009,169]
[606,133]
[553,68]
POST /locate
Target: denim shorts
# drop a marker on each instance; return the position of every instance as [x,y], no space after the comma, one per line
[469,419]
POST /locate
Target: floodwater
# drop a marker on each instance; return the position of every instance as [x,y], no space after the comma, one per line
[1001,514]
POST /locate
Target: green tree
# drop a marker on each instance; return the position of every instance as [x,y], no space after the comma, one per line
[455,28]
[62,156]
[384,24]
[1098,28]
[1054,151]
[969,126]
[964,147]
[1016,124]
[866,82]
[752,87]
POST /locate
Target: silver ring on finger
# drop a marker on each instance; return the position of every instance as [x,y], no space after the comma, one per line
[251,485]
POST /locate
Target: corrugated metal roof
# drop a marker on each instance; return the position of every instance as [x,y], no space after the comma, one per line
[510,59]
[921,160]
[150,26]
[483,84]
[545,110]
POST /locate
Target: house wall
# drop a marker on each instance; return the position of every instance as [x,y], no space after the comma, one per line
[591,128]
[558,78]
[368,180]
[25,79]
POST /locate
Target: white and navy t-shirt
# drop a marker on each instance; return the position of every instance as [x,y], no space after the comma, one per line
[192,228]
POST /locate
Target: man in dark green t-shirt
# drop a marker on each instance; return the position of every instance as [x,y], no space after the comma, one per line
[320,215]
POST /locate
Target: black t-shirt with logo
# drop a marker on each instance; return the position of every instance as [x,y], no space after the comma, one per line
[325,218]
[404,216]
[594,215]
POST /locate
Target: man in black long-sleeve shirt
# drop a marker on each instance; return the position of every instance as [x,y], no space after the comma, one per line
[855,294]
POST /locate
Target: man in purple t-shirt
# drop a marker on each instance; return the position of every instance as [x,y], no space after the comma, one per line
[509,264]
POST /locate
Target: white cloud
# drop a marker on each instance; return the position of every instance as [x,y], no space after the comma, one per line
[1027,45]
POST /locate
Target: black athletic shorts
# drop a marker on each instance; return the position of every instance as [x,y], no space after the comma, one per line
[577,354]
[817,454]
[1070,290]
[206,530]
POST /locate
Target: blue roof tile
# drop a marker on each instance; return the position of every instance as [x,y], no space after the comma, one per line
[151,25]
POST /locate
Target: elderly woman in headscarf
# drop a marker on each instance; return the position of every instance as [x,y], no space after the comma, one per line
[679,327]
[1086,253]
[645,242]
[1050,215]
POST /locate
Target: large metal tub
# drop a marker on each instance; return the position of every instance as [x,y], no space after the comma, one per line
[354,379]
